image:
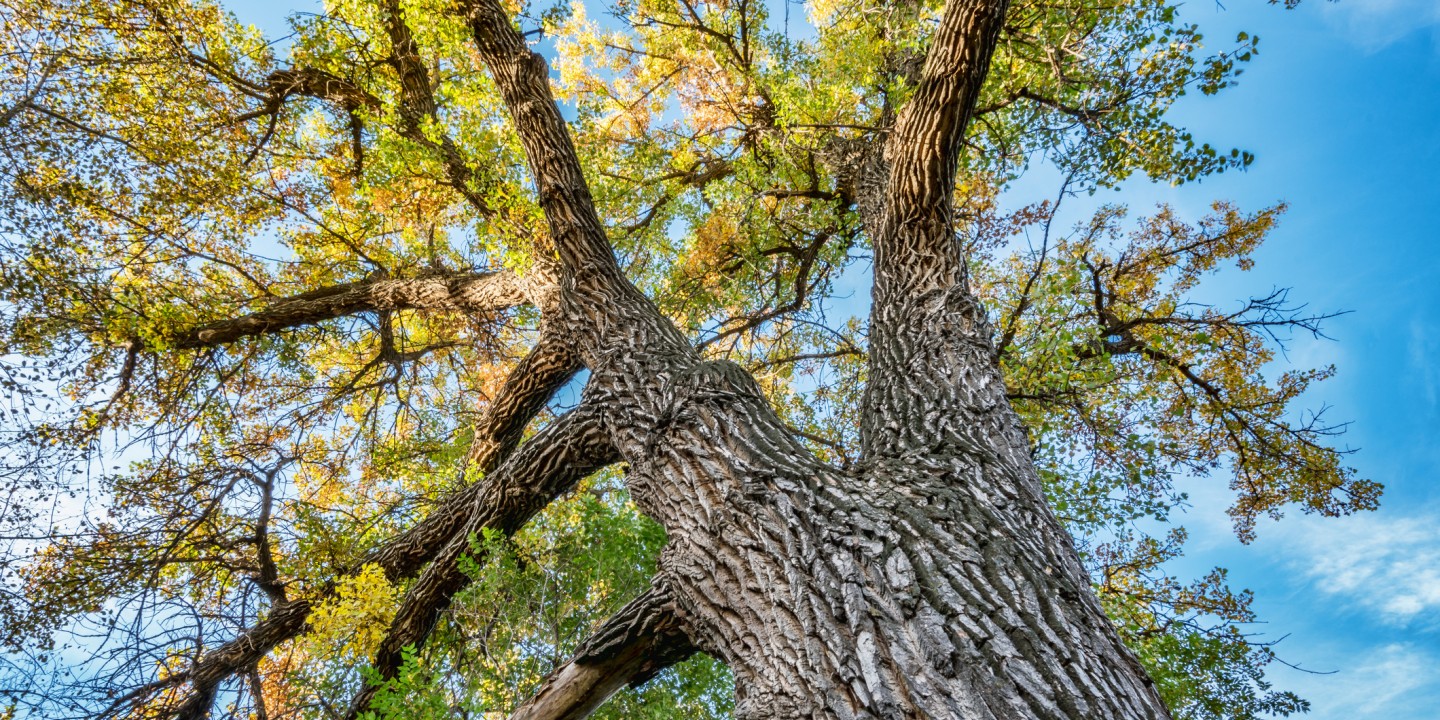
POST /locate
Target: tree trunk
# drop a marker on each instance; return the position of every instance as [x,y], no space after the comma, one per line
[929,586]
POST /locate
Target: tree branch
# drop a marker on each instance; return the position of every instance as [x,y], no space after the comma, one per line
[301,82]
[315,83]
[550,364]
[524,84]
[1011,322]
[642,639]
[267,578]
[417,98]
[470,292]
[504,501]
[916,250]
[916,372]
[417,102]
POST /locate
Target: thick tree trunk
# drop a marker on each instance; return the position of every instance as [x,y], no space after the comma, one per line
[926,586]
[932,580]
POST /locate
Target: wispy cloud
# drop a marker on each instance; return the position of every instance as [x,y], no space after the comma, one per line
[1374,24]
[1398,680]
[1383,565]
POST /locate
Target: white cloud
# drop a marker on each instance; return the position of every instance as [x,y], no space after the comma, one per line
[1394,681]
[1374,24]
[1383,565]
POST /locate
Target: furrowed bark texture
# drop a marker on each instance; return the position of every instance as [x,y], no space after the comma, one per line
[932,581]
[524,82]
[916,587]
[547,367]
[919,273]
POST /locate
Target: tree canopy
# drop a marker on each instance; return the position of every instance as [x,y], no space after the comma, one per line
[277,313]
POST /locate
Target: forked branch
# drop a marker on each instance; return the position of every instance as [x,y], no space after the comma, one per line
[519,487]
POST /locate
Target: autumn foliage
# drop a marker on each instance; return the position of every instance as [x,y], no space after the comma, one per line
[166,170]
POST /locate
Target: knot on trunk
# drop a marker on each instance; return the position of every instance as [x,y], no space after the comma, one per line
[712,382]
[966,315]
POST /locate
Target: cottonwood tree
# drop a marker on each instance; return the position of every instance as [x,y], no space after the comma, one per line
[293,332]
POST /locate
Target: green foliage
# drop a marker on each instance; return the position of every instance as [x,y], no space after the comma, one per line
[1126,383]
[535,598]
[412,693]
[1206,675]
[1129,389]
[1188,636]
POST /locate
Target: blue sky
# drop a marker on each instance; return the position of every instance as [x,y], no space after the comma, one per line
[1340,108]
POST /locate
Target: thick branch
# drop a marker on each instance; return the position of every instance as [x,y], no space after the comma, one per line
[473,292]
[286,620]
[916,250]
[929,335]
[642,639]
[533,382]
[549,365]
[314,83]
[524,83]
[541,470]
[416,94]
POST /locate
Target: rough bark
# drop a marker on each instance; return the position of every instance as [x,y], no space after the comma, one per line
[914,587]
[524,84]
[547,367]
[919,272]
